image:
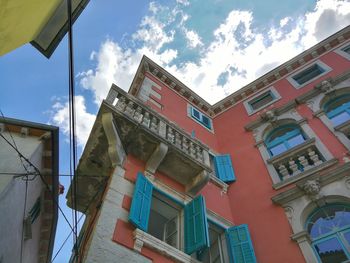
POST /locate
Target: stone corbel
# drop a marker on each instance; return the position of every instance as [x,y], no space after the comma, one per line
[312,189]
[197,182]
[116,151]
[269,116]
[156,158]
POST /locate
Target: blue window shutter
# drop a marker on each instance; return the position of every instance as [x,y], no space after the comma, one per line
[239,245]
[224,169]
[196,226]
[141,202]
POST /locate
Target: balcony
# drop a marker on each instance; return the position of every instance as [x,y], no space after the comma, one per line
[298,162]
[124,125]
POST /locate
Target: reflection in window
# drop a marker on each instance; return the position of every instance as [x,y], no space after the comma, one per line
[338,109]
[283,138]
[329,229]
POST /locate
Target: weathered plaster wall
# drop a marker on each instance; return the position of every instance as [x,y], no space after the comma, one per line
[12,198]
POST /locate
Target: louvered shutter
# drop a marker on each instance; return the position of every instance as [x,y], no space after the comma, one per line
[141,202]
[239,245]
[224,169]
[196,225]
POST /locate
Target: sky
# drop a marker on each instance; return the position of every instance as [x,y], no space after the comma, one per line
[215,47]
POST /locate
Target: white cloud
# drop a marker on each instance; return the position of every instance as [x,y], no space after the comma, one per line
[193,38]
[84,120]
[237,49]
[237,55]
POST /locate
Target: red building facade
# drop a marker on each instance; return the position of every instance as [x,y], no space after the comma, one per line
[260,176]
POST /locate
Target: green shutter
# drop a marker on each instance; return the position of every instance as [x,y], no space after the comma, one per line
[239,245]
[196,225]
[224,169]
[141,202]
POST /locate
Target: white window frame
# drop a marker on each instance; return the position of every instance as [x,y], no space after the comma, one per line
[319,63]
[340,51]
[247,103]
[189,114]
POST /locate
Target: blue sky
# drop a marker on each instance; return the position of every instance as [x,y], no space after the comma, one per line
[208,44]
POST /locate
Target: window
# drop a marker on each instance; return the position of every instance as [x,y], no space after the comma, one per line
[164,220]
[308,74]
[338,109]
[261,100]
[344,51]
[159,216]
[283,138]
[215,252]
[329,230]
[186,227]
[200,117]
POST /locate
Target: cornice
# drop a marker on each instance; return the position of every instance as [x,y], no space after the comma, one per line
[324,177]
[147,65]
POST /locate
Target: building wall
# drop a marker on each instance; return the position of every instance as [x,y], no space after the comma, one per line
[12,197]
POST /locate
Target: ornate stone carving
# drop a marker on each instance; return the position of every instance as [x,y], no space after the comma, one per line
[269,116]
[312,187]
[326,86]
[289,213]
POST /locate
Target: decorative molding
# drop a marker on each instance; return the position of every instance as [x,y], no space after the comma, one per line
[325,177]
[142,238]
[219,183]
[115,148]
[156,158]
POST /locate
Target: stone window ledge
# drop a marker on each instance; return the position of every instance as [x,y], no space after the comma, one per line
[293,151]
[144,239]
[305,174]
[219,183]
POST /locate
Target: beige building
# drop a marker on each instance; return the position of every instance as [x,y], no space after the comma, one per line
[28,191]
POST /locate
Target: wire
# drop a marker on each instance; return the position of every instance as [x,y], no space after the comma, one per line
[72,120]
[41,177]
[87,208]
[24,217]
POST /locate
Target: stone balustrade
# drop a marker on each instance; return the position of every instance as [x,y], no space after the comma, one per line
[297,163]
[158,125]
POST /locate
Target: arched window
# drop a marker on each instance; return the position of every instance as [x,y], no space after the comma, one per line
[338,109]
[329,230]
[283,138]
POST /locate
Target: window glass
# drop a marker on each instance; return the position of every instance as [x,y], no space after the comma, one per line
[164,221]
[283,138]
[346,49]
[296,140]
[308,74]
[200,117]
[261,100]
[331,251]
[213,254]
[340,118]
[278,149]
[329,229]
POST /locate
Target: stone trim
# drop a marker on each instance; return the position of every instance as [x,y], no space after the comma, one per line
[219,183]
[142,238]
[342,53]
[325,177]
[319,63]
[304,174]
[272,90]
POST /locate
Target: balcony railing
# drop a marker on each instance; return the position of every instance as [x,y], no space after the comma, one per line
[145,133]
[134,109]
[297,160]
